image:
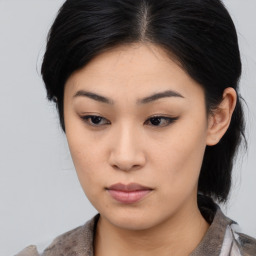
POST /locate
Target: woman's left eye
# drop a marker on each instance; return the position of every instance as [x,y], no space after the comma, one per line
[95,120]
[160,121]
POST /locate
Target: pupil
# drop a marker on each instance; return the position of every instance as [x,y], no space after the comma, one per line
[96,119]
[155,121]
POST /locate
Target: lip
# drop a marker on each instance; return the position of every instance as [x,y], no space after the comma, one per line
[128,194]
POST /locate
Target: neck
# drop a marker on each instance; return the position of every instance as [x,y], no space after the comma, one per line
[178,235]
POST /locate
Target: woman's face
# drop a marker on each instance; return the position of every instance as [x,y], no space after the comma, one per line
[136,125]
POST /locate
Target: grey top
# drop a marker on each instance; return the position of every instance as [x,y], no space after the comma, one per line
[219,240]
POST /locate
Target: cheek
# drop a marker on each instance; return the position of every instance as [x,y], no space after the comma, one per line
[85,155]
[83,149]
[88,161]
[180,155]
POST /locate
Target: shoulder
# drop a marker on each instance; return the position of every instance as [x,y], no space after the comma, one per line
[29,251]
[78,241]
[65,244]
[247,244]
[75,242]
[222,237]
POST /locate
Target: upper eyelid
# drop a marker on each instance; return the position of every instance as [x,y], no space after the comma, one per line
[170,119]
[167,118]
[90,116]
[86,117]
[163,117]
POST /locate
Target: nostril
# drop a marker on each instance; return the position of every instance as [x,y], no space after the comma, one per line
[126,168]
[115,167]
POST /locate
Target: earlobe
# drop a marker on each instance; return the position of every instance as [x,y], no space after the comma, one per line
[219,120]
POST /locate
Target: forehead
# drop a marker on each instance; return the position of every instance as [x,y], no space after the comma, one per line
[135,69]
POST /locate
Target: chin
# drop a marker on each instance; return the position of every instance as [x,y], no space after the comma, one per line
[133,219]
[134,224]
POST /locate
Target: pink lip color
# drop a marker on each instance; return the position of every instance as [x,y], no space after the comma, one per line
[128,194]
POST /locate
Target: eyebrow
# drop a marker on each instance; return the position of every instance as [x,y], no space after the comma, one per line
[94,96]
[160,95]
[151,98]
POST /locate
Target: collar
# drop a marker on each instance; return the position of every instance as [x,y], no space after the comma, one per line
[80,241]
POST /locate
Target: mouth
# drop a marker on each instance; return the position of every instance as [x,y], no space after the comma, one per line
[128,194]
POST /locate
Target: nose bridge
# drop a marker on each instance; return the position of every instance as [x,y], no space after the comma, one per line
[127,152]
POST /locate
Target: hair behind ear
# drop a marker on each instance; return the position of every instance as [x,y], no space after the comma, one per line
[219,159]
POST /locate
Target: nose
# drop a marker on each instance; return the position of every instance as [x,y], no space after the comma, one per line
[127,150]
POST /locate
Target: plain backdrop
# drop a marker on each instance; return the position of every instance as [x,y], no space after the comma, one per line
[40,196]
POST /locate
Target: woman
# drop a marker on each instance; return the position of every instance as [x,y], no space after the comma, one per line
[147,94]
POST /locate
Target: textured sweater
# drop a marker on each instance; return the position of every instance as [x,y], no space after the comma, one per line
[219,240]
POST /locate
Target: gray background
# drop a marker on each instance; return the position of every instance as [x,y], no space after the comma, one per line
[39,193]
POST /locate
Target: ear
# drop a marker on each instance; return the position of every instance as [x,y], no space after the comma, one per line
[219,120]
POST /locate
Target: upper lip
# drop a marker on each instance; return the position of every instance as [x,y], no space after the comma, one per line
[128,188]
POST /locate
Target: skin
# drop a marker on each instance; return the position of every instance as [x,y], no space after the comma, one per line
[127,147]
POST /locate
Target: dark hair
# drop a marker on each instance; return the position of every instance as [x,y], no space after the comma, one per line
[198,34]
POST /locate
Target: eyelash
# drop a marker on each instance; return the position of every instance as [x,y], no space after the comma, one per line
[169,120]
[87,118]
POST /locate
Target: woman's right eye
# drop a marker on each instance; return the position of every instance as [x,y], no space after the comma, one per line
[95,120]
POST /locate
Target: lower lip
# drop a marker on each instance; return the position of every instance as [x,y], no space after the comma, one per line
[128,197]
